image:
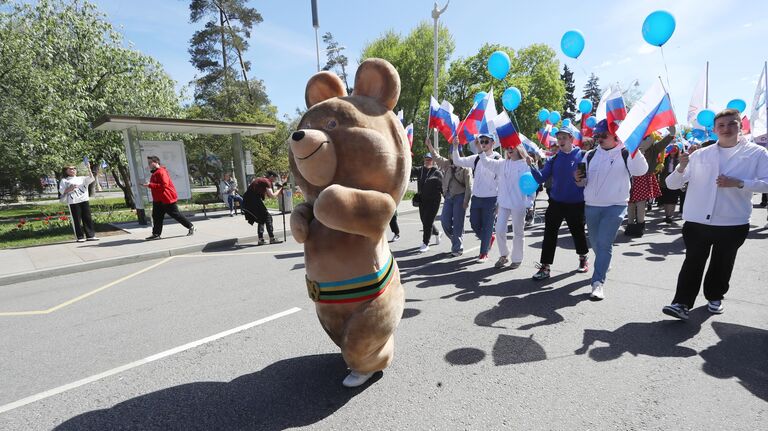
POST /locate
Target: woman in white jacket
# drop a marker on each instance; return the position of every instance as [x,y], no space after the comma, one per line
[609,169]
[74,192]
[512,202]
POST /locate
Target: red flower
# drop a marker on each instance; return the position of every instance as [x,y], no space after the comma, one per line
[48,218]
[61,212]
[63,218]
[20,225]
[37,218]
[22,221]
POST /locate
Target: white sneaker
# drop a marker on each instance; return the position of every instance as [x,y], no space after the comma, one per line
[355,379]
[424,248]
[395,238]
[81,240]
[437,237]
[597,291]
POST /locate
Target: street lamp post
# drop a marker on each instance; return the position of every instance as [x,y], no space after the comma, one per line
[316,25]
[436,12]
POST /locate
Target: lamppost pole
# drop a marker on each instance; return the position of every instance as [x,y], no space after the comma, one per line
[436,12]
[316,25]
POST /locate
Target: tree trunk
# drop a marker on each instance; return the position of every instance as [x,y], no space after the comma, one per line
[122,179]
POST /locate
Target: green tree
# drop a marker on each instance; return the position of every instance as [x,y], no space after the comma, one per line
[336,60]
[569,107]
[215,48]
[61,67]
[592,91]
[534,70]
[413,57]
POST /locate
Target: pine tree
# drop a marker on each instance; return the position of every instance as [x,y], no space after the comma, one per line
[569,107]
[592,91]
[336,58]
[218,46]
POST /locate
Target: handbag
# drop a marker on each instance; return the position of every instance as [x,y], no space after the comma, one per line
[416,200]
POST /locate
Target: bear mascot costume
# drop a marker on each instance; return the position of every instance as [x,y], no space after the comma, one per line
[351,158]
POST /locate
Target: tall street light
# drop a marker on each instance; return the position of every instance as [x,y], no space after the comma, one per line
[316,25]
[436,12]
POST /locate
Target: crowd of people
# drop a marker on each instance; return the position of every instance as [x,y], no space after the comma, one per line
[593,188]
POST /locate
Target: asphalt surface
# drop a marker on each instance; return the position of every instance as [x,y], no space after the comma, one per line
[478,348]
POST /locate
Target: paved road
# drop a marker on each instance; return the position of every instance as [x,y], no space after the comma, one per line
[227,339]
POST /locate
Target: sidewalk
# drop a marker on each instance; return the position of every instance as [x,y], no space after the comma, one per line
[216,231]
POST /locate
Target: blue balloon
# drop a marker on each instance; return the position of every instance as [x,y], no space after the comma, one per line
[554,117]
[511,98]
[566,122]
[737,104]
[585,106]
[706,117]
[688,135]
[498,64]
[698,134]
[528,184]
[554,131]
[658,27]
[543,115]
[572,43]
[480,96]
[591,122]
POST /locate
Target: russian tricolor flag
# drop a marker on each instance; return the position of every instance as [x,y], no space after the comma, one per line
[577,136]
[586,131]
[611,108]
[652,112]
[544,135]
[467,131]
[442,118]
[477,112]
[506,131]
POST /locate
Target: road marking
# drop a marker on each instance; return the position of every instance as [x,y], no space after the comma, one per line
[85,295]
[238,254]
[148,359]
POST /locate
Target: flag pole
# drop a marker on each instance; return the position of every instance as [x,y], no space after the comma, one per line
[706,87]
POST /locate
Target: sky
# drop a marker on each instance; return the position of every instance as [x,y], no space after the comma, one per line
[730,34]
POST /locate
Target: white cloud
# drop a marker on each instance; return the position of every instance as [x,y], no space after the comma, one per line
[624,60]
[747,25]
[604,64]
[646,49]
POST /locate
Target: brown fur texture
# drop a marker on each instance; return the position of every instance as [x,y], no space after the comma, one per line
[350,157]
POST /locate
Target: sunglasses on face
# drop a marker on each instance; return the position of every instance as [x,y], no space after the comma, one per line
[485,141]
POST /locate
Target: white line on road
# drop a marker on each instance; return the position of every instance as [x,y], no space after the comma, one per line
[126,367]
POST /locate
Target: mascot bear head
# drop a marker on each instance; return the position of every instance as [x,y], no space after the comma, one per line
[354,141]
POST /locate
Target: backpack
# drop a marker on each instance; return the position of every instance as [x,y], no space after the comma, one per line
[477,159]
[624,155]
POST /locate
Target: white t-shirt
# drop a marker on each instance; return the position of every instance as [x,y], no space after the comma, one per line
[79,194]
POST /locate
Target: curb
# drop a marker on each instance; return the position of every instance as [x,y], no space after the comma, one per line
[125,260]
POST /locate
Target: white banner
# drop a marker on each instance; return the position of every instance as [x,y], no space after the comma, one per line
[758,121]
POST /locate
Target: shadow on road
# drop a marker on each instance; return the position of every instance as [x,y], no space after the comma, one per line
[508,350]
[542,304]
[742,352]
[290,393]
[659,339]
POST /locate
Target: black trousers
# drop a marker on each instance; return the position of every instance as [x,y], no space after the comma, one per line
[553,218]
[393,224]
[81,217]
[268,222]
[700,240]
[427,213]
[159,210]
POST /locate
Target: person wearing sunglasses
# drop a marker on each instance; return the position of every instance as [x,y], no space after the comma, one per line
[482,210]
[609,171]
[721,179]
[566,202]
[512,202]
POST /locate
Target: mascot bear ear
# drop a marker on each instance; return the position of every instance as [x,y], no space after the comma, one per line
[323,86]
[378,79]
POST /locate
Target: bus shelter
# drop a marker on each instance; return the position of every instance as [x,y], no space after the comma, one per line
[137,149]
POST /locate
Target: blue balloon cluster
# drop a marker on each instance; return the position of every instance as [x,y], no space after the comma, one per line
[528,184]
[511,98]
[554,117]
[480,96]
[543,114]
[566,122]
[498,64]
[591,122]
[706,117]
[658,27]
[572,43]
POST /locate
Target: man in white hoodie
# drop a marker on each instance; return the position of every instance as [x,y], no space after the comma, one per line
[721,179]
[609,169]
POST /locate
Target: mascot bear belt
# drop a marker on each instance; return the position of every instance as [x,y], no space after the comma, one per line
[351,158]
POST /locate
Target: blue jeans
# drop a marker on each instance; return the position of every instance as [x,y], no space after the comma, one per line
[603,223]
[452,220]
[481,218]
[231,201]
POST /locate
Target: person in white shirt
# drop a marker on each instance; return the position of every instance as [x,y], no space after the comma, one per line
[609,171]
[721,179]
[73,191]
[482,210]
[512,202]
[229,193]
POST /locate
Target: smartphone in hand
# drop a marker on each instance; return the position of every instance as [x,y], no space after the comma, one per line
[582,168]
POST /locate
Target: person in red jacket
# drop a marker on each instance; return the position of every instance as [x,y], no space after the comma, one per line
[163,199]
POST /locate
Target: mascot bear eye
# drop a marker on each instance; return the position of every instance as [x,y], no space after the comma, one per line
[331,125]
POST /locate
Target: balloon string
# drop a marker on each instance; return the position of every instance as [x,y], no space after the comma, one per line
[669,86]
